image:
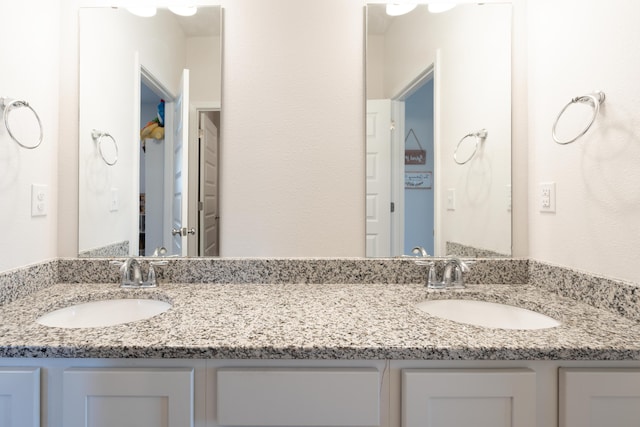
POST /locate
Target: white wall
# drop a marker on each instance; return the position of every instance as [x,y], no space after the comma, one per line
[576,47]
[203,62]
[292,151]
[29,47]
[375,66]
[474,92]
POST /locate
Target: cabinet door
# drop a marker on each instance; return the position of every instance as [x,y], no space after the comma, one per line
[20,397]
[298,397]
[466,397]
[128,397]
[599,397]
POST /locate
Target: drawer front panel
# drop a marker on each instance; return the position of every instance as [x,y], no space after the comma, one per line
[298,397]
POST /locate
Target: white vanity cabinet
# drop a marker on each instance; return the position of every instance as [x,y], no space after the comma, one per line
[19,397]
[468,397]
[599,397]
[327,393]
[128,397]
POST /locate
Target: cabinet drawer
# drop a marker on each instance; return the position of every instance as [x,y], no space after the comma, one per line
[298,397]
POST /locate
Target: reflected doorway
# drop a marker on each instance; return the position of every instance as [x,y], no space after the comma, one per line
[418,171]
[208,188]
[401,171]
[154,141]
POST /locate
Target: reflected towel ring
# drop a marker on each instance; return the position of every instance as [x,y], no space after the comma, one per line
[595,99]
[480,135]
[9,105]
[98,137]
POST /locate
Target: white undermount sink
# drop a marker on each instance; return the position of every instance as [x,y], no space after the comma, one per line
[110,312]
[487,314]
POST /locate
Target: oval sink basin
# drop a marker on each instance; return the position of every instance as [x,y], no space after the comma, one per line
[97,314]
[487,314]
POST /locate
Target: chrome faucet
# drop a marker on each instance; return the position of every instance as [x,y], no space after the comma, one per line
[419,250]
[131,273]
[452,276]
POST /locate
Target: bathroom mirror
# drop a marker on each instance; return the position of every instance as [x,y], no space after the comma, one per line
[149,102]
[439,131]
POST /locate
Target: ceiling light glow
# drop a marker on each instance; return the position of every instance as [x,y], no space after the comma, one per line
[143,11]
[397,9]
[440,7]
[184,10]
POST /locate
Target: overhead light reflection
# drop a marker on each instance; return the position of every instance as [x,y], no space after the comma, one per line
[397,9]
[440,7]
[143,11]
[184,11]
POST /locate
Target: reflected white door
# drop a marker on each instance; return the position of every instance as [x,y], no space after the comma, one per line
[378,202]
[209,215]
[180,167]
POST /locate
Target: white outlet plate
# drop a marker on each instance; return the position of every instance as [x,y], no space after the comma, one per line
[547,196]
[508,194]
[39,200]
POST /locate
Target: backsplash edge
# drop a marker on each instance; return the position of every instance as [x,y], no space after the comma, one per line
[622,297]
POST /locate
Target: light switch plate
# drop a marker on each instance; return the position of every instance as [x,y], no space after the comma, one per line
[39,200]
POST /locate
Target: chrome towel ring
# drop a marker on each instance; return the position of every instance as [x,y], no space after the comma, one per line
[98,137]
[8,105]
[479,136]
[595,99]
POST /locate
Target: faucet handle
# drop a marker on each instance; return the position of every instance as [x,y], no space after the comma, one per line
[465,266]
[152,278]
[432,276]
[458,273]
[122,265]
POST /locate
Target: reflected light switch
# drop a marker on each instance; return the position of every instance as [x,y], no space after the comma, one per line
[451,199]
[114,205]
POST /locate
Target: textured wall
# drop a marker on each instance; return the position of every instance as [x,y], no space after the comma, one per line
[292,151]
[574,48]
[29,47]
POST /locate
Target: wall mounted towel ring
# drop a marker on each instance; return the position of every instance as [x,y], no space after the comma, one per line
[479,136]
[99,137]
[595,99]
[8,105]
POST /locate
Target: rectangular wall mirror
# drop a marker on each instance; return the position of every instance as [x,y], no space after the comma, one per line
[149,132]
[439,131]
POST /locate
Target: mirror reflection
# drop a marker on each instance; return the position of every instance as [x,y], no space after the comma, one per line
[153,85]
[439,131]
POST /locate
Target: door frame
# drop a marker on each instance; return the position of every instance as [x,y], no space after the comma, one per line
[194,216]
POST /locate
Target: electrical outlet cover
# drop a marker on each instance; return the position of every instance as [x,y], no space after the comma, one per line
[39,200]
[547,196]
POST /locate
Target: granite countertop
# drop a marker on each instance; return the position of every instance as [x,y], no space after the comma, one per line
[308,321]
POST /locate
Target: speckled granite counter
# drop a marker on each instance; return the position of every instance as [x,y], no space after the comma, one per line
[315,321]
